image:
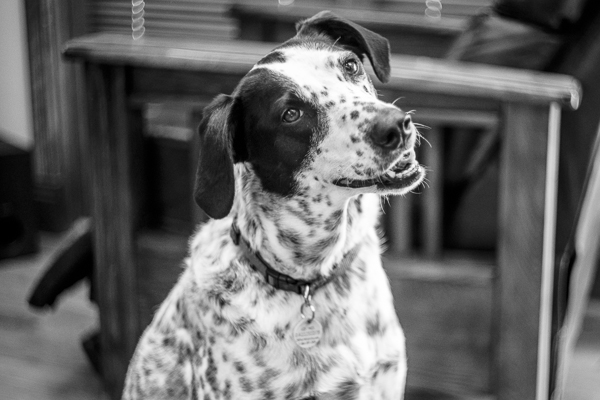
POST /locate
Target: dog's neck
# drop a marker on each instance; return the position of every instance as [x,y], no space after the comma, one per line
[301,236]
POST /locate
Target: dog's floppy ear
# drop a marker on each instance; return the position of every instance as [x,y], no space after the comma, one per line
[215,183]
[347,33]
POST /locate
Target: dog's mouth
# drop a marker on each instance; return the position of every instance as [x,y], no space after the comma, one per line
[400,176]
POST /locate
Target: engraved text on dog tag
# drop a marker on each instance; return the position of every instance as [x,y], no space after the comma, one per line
[308,333]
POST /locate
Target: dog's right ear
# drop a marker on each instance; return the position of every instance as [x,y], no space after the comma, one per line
[359,39]
[215,182]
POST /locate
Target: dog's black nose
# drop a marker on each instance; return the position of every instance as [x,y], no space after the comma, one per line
[391,130]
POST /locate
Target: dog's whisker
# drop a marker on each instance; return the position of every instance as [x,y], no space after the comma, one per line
[419,125]
[421,137]
[334,43]
[397,98]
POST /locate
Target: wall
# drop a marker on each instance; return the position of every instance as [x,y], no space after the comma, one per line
[16,124]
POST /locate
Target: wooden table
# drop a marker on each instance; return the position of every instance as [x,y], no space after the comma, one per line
[527,105]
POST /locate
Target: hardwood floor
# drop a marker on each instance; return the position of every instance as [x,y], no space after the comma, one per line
[583,379]
[40,352]
[41,357]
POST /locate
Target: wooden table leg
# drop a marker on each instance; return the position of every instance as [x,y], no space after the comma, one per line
[432,233]
[526,250]
[110,157]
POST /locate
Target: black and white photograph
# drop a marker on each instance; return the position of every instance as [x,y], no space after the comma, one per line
[299,200]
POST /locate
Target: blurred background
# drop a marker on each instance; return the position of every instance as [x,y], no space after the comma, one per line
[50,347]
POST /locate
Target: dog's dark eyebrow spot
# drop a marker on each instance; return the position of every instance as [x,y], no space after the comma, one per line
[272,58]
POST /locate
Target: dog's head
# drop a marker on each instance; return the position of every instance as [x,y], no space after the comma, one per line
[307,120]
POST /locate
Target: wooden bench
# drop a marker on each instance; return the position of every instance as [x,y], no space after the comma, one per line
[525,105]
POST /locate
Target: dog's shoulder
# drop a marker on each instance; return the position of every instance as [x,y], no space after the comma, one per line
[169,347]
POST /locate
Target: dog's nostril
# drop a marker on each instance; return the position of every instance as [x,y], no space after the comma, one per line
[391,139]
[406,124]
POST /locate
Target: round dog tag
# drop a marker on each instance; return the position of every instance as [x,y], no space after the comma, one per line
[308,333]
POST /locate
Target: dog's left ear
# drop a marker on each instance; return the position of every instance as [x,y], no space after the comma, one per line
[215,182]
[361,40]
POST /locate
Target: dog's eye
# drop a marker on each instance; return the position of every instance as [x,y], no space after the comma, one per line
[291,115]
[351,67]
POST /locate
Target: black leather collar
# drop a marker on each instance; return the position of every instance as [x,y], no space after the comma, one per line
[284,282]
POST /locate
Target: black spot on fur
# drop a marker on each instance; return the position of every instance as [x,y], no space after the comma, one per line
[370,108]
[227,390]
[218,320]
[358,203]
[239,367]
[259,342]
[360,153]
[259,360]
[276,150]
[289,238]
[342,284]
[347,390]
[239,326]
[354,114]
[354,138]
[268,395]
[246,385]
[168,341]
[279,333]
[324,244]
[374,325]
[333,220]
[211,372]
[290,391]
[388,365]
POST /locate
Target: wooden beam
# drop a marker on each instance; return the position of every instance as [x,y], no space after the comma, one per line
[521,251]
[110,156]
[57,110]
[412,74]
[432,231]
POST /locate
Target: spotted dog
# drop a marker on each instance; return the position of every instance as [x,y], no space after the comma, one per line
[284,295]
